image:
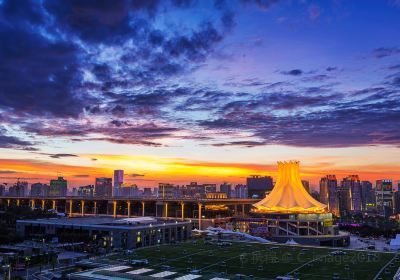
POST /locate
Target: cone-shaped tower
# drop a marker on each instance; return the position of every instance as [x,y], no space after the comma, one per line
[288,194]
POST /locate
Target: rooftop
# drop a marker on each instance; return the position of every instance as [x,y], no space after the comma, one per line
[105,222]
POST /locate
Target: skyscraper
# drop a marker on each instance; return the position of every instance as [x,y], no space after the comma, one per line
[39,189]
[19,189]
[129,191]
[118,181]
[367,195]
[167,190]
[384,197]
[352,183]
[103,187]
[86,191]
[328,193]
[241,191]
[226,188]
[396,202]
[258,186]
[58,187]
[306,185]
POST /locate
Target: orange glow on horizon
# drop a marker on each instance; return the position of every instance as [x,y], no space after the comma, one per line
[150,170]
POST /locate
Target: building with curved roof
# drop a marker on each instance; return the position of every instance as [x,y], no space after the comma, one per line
[289,194]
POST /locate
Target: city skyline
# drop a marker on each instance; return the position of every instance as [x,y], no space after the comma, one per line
[130,180]
[169,94]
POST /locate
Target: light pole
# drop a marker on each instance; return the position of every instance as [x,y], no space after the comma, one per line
[9,271]
[27,267]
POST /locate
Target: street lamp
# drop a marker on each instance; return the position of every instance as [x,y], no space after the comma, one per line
[9,270]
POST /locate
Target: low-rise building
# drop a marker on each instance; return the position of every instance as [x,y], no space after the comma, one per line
[106,231]
[216,195]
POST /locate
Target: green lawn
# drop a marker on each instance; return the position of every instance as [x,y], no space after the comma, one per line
[265,261]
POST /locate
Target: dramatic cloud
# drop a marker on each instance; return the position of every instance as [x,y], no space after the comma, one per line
[136,175]
[262,4]
[140,73]
[81,176]
[384,52]
[38,75]
[62,155]
[7,171]
[12,142]
[294,72]
[52,48]
[247,144]
[331,124]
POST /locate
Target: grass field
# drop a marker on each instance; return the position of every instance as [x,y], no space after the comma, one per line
[266,261]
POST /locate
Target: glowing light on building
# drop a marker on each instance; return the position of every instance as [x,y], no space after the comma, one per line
[289,194]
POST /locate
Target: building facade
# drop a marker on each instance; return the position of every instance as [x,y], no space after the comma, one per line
[130,191]
[40,190]
[86,191]
[226,188]
[259,186]
[19,189]
[107,232]
[384,197]
[103,187]
[328,193]
[58,187]
[367,196]
[396,202]
[306,185]
[241,191]
[353,184]
[118,181]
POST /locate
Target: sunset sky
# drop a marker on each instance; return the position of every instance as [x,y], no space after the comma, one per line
[207,91]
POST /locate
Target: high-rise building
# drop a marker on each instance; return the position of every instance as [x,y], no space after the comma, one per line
[86,191]
[40,190]
[210,188]
[328,193]
[103,187]
[19,189]
[167,190]
[118,181]
[315,195]
[58,187]
[196,190]
[241,191]
[129,191]
[36,189]
[2,190]
[353,184]
[226,188]
[384,197]
[259,186]
[396,202]
[367,195]
[147,192]
[306,185]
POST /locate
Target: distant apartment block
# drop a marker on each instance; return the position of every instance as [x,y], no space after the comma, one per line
[259,186]
[103,187]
